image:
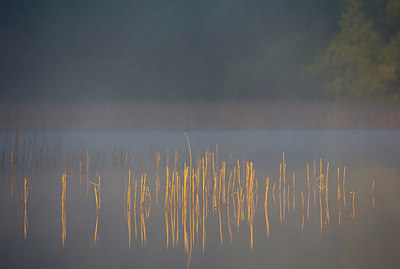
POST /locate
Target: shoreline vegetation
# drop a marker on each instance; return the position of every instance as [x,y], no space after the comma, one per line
[226,115]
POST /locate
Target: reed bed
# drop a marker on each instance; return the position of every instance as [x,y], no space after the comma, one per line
[190,185]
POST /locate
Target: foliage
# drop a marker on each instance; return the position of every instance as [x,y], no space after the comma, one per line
[359,62]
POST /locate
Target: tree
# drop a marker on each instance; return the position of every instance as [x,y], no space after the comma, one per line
[357,63]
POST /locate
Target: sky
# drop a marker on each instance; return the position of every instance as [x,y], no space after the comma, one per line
[72,51]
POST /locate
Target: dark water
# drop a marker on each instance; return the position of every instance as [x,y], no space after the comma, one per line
[367,237]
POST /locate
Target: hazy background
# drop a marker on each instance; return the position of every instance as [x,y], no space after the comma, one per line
[250,60]
[67,51]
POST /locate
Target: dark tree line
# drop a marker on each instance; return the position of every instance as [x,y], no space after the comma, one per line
[69,51]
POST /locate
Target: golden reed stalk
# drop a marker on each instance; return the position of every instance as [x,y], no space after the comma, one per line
[87,172]
[134,209]
[314,186]
[166,187]
[63,207]
[273,192]
[26,190]
[308,200]
[266,207]
[157,175]
[338,195]
[288,197]
[353,214]
[344,190]
[284,184]
[294,192]
[128,215]
[215,184]
[204,182]
[326,194]
[321,176]
[190,155]
[302,203]
[97,192]
[280,192]
[373,194]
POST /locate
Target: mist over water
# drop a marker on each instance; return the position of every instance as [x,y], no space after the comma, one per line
[367,155]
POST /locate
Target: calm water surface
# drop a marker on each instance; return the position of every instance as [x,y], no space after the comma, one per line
[367,236]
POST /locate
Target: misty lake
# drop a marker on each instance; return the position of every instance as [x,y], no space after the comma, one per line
[215,214]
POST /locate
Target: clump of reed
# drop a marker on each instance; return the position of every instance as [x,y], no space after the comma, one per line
[184,190]
[326,195]
[204,198]
[250,198]
[145,207]
[127,206]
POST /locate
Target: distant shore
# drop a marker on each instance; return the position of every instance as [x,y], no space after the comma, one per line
[201,115]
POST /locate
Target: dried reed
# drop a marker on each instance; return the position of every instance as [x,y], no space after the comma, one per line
[63,207]
[373,193]
[26,190]
[266,206]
